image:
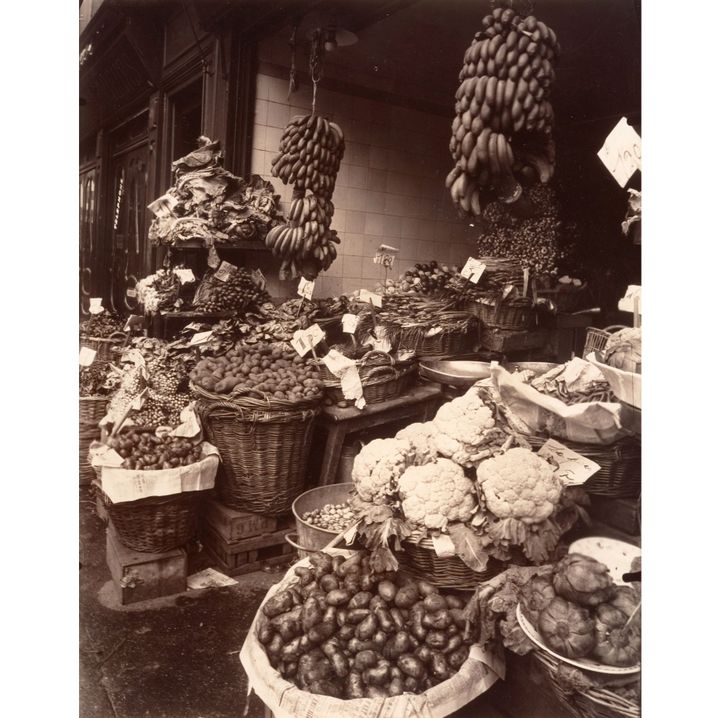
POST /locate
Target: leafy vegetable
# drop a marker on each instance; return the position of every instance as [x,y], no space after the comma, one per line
[469,546]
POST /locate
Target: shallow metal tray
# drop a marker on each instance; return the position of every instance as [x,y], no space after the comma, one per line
[454,372]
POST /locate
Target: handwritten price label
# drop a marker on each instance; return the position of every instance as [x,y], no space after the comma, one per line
[200,338]
[386,260]
[473,270]
[370,298]
[621,152]
[87,356]
[306,288]
[349,323]
[96,306]
[213,258]
[306,339]
[573,469]
[225,271]
[186,276]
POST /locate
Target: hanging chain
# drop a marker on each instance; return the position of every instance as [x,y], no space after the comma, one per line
[317,52]
[292,87]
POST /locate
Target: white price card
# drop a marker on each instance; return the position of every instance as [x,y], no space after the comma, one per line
[370,298]
[573,469]
[194,327]
[386,260]
[213,258]
[508,290]
[200,338]
[306,288]
[349,323]
[443,545]
[432,332]
[621,152]
[96,306]
[137,402]
[225,271]
[473,270]
[627,303]
[134,321]
[87,356]
[301,342]
[315,334]
[186,276]
[259,278]
[131,292]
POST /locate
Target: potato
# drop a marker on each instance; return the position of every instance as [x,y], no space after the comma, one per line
[355,645]
[426,589]
[406,596]
[291,651]
[337,597]
[440,620]
[458,617]
[326,687]
[351,584]
[305,575]
[434,602]
[289,669]
[311,614]
[366,659]
[454,601]
[321,632]
[265,633]
[360,600]
[379,639]
[275,646]
[350,564]
[378,676]
[368,581]
[322,562]
[424,653]
[458,657]
[288,624]
[340,664]
[279,603]
[385,620]
[414,643]
[454,642]
[367,627]
[412,685]
[337,561]
[330,615]
[411,666]
[395,687]
[377,602]
[387,590]
[377,692]
[397,645]
[346,632]
[341,616]
[438,666]
[328,583]
[416,624]
[397,618]
[452,630]
[354,684]
[310,589]
[357,615]
[436,639]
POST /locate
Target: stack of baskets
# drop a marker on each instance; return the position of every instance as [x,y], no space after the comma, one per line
[92,409]
[264,445]
[611,700]
[382,375]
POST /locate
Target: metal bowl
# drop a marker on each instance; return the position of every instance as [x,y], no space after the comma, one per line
[455,372]
[537,367]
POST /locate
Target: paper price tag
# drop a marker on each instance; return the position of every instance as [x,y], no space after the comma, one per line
[259,278]
[225,271]
[87,356]
[627,303]
[137,402]
[370,298]
[315,334]
[131,292]
[573,468]
[186,276]
[213,258]
[194,327]
[386,260]
[349,323]
[508,290]
[621,152]
[305,288]
[301,343]
[443,545]
[200,338]
[96,306]
[473,270]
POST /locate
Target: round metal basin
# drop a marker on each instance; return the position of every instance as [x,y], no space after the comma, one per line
[537,367]
[455,372]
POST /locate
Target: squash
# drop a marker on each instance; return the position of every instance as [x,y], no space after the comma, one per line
[566,628]
[615,643]
[583,580]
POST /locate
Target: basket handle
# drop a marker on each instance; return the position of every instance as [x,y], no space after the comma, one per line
[389,359]
[382,371]
[615,328]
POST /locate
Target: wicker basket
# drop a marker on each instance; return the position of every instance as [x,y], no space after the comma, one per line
[566,300]
[596,339]
[419,559]
[92,409]
[449,341]
[379,384]
[594,702]
[103,347]
[516,314]
[157,523]
[264,448]
[88,434]
[620,466]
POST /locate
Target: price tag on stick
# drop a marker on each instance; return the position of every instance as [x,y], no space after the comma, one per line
[349,323]
[225,271]
[473,270]
[371,298]
[621,152]
[573,468]
[306,288]
[87,356]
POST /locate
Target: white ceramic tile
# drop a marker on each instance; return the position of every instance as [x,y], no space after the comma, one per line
[377,180]
[261,108]
[257,162]
[374,201]
[278,114]
[258,137]
[272,139]
[357,176]
[374,224]
[277,90]
[355,222]
[378,157]
[262,87]
[392,225]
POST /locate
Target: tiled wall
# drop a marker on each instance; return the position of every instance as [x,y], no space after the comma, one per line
[390,188]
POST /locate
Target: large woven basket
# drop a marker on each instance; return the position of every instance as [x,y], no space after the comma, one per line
[92,409]
[104,347]
[596,339]
[419,559]
[379,384]
[157,523]
[516,314]
[88,434]
[620,466]
[264,448]
[594,702]
[455,327]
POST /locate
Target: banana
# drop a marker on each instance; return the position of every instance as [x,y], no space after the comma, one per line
[528,102]
[506,120]
[470,87]
[455,189]
[503,155]
[484,51]
[501,55]
[507,15]
[464,103]
[533,114]
[536,63]
[473,54]
[480,69]
[473,111]
[472,162]
[527,72]
[510,89]
[483,178]
[467,117]
[502,72]
[480,89]
[493,155]
[553,39]
[490,69]
[514,72]
[485,113]
[544,33]
[490,91]
[307,245]
[516,110]
[511,41]
[499,94]
[519,123]
[523,60]
[271,236]
[475,206]
[533,87]
[531,23]
[282,236]
[452,176]
[481,147]
[461,90]
[495,46]
[476,126]
[541,165]
[522,44]
[533,48]
[523,88]
[465,202]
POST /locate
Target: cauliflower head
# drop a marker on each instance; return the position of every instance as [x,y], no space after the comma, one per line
[519,484]
[464,428]
[378,466]
[437,493]
[421,436]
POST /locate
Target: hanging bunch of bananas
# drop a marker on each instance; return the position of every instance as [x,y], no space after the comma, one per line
[311,149]
[501,134]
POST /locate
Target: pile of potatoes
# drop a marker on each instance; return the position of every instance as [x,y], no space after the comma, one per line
[261,370]
[343,631]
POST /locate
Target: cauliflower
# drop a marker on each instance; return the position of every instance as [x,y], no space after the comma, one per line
[378,466]
[465,430]
[422,440]
[520,485]
[437,493]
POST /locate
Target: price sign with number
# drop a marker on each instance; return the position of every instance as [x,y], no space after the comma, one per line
[225,271]
[316,334]
[87,356]
[96,306]
[573,469]
[301,342]
[386,260]
[621,152]
[306,288]
[370,298]
[213,258]
[349,323]
[473,270]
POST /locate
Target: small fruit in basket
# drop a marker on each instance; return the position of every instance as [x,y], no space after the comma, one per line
[583,580]
[144,450]
[567,628]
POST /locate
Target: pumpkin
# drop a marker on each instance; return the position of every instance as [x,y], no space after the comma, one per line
[566,628]
[536,595]
[615,643]
[583,580]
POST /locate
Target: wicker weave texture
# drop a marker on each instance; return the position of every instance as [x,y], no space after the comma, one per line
[92,409]
[88,434]
[504,315]
[387,383]
[103,347]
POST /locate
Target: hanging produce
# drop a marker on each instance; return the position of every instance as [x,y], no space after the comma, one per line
[501,134]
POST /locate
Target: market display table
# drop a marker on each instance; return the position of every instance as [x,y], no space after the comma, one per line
[419,404]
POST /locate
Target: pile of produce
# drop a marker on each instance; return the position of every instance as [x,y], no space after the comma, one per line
[237,293]
[101,326]
[624,350]
[310,152]
[468,475]
[574,382]
[96,380]
[331,517]
[428,279]
[501,134]
[344,631]
[264,371]
[143,449]
[167,393]
[210,205]
[158,291]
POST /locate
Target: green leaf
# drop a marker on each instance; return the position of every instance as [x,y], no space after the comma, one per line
[469,547]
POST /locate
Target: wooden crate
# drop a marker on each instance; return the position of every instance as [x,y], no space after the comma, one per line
[141,576]
[620,513]
[249,554]
[233,525]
